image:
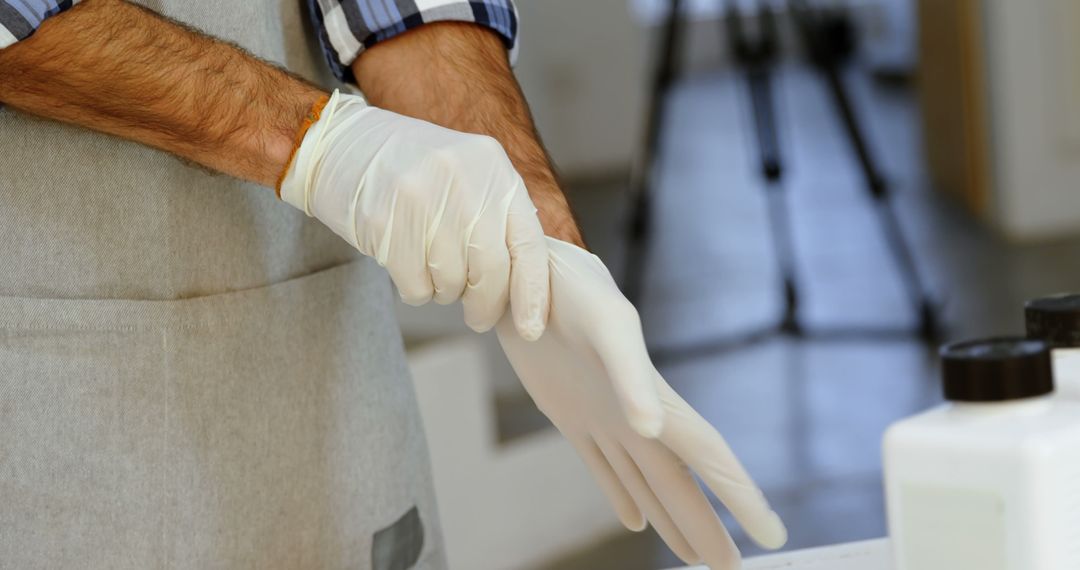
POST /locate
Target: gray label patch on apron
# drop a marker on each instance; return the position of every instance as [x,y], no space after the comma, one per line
[398,546]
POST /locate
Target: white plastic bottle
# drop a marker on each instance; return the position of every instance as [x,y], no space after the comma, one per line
[990,480]
[1056,320]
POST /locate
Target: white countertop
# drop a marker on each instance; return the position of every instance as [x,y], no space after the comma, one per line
[867,555]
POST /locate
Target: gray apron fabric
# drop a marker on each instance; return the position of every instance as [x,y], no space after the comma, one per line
[192,373]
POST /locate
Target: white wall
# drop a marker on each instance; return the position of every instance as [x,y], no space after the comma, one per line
[583,68]
[1034,68]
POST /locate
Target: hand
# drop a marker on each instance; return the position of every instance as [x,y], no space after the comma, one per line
[457,75]
[445,212]
[591,375]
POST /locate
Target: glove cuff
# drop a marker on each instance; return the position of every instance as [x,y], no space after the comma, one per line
[298,181]
[312,116]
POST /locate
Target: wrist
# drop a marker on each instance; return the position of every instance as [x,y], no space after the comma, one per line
[262,122]
[556,216]
[566,231]
[282,147]
[254,136]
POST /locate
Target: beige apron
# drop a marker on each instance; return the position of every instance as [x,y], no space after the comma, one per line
[193,374]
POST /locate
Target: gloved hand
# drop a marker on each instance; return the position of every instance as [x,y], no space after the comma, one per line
[591,375]
[445,212]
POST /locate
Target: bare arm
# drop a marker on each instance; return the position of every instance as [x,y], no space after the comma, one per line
[457,75]
[117,68]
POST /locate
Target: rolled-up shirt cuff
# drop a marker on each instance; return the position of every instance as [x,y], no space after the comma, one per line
[19,19]
[347,28]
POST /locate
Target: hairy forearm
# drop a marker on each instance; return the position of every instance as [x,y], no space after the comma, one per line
[457,76]
[117,68]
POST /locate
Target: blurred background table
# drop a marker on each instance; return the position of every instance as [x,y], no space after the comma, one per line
[866,555]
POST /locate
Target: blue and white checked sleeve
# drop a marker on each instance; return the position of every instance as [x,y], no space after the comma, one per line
[348,27]
[19,18]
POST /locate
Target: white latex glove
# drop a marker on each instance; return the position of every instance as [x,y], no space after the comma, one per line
[591,375]
[445,212]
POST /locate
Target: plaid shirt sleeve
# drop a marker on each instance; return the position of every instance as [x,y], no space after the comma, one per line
[348,27]
[20,18]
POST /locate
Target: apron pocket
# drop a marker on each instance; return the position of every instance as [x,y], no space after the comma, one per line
[267,428]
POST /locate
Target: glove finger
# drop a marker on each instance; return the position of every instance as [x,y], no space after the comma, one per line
[621,347]
[487,291]
[686,503]
[701,447]
[447,265]
[530,284]
[407,265]
[646,500]
[625,508]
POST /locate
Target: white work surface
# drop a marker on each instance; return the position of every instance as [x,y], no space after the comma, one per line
[868,555]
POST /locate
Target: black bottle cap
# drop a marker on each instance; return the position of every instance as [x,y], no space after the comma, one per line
[1055,319]
[996,369]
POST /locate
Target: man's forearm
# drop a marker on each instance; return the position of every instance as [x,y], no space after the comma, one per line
[120,69]
[457,75]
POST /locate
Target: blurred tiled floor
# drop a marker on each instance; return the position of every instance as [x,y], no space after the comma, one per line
[805,416]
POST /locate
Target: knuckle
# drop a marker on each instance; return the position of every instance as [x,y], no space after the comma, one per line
[478,315]
[489,261]
[445,158]
[449,285]
[411,187]
[486,144]
[444,298]
[453,286]
[483,147]
[417,296]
